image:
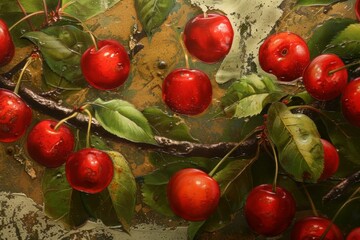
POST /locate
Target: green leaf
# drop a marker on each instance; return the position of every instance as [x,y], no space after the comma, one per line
[343,135]
[124,120]
[316,2]
[324,33]
[85,9]
[155,197]
[62,48]
[250,106]
[122,190]
[152,13]
[297,141]
[167,125]
[61,202]
[29,5]
[347,43]
[193,229]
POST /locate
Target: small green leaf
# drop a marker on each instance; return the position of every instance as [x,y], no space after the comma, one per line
[124,120]
[250,106]
[297,141]
[324,33]
[61,202]
[155,197]
[85,9]
[316,2]
[62,48]
[152,13]
[193,229]
[29,5]
[166,125]
[347,43]
[122,190]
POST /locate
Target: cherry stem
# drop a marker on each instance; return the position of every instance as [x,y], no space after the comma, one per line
[187,65]
[66,5]
[88,143]
[27,64]
[276,166]
[64,120]
[25,14]
[312,205]
[350,199]
[205,14]
[343,67]
[213,171]
[45,11]
[26,17]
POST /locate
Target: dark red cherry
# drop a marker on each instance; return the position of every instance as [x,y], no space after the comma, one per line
[208,37]
[48,146]
[7,48]
[350,102]
[357,9]
[89,170]
[187,91]
[354,234]
[331,160]
[285,55]
[15,116]
[269,213]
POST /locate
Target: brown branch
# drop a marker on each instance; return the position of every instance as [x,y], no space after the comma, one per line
[340,189]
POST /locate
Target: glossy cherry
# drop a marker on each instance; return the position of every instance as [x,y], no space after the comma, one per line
[187,91]
[331,160]
[354,234]
[89,170]
[193,194]
[208,37]
[350,102]
[106,68]
[48,146]
[319,82]
[313,228]
[7,48]
[269,213]
[285,55]
[357,9]
[15,116]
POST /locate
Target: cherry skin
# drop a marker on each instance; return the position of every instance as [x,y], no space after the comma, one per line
[89,170]
[187,91]
[285,55]
[312,228]
[354,234]
[192,194]
[357,9]
[48,146]
[350,102]
[208,38]
[319,83]
[15,116]
[269,213]
[108,67]
[331,160]
[7,48]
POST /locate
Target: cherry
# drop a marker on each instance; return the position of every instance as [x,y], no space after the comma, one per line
[48,146]
[89,170]
[357,9]
[15,116]
[319,82]
[350,102]
[331,160]
[187,91]
[354,234]
[208,37]
[193,194]
[267,212]
[106,68]
[313,228]
[7,48]
[285,55]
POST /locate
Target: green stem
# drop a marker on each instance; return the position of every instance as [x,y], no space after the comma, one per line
[46,12]
[28,62]
[276,165]
[312,205]
[343,67]
[26,17]
[187,65]
[64,120]
[88,143]
[213,171]
[25,14]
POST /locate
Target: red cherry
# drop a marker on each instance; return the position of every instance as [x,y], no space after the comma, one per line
[209,38]
[15,116]
[187,91]
[313,227]
[319,83]
[350,102]
[89,170]
[269,213]
[193,195]
[7,48]
[354,234]
[108,67]
[331,160]
[357,9]
[285,55]
[48,146]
